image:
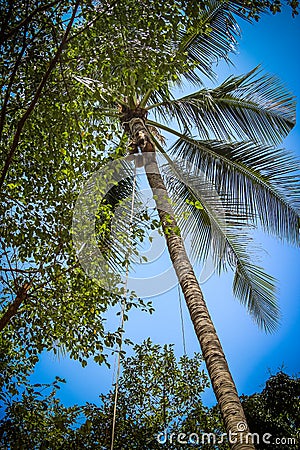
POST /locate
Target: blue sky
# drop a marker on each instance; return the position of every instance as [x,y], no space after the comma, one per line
[273,43]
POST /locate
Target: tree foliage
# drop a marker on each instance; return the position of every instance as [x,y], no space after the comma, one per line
[159,394]
[60,142]
[276,410]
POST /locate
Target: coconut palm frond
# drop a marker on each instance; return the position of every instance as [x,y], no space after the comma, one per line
[213,39]
[211,222]
[114,224]
[158,97]
[252,107]
[111,242]
[103,94]
[216,34]
[264,180]
[192,217]
[256,289]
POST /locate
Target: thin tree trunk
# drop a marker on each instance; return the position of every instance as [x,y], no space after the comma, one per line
[221,379]
[14,306]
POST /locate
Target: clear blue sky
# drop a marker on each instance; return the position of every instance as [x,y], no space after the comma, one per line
[274,43]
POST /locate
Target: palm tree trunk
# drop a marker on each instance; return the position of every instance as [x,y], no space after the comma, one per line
[221,379]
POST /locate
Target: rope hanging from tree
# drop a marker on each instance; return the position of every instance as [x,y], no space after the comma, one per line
[122,319]
[182,321]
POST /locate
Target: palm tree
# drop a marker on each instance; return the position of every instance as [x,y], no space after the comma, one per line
[233,154]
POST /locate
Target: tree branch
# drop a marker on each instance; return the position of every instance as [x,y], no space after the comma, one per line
[13,307]
[36,97]
[23,294]
[5,22]
[27,20]
[26,271]
[13,75]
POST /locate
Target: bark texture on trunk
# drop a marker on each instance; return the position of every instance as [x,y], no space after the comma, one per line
[221,379]
[14,306]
